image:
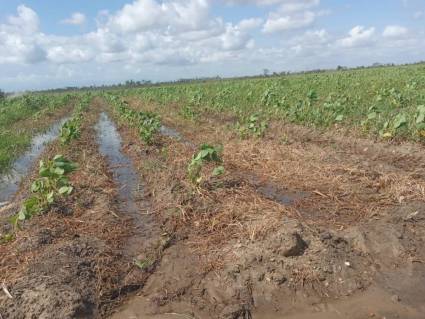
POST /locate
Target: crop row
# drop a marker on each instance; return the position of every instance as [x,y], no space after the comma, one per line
[387,102]
[53,180]
[147,123]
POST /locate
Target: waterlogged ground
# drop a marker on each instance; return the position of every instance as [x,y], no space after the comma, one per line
[9,182]
[301,225]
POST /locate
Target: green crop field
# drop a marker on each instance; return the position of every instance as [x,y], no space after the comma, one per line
[387,102]
[303,183]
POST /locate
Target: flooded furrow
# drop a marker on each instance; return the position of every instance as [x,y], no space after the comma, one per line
[9,183]
[124,173]
[130,190]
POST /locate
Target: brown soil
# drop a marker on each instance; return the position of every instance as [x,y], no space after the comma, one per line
[306,226]
[301,225]
[72,261]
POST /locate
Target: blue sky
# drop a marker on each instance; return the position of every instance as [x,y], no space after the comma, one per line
[47,44]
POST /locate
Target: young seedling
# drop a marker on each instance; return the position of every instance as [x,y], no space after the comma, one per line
[207,153]
[252,126]
[51,184]
[70,131]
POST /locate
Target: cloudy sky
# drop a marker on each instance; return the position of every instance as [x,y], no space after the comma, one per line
[46,43]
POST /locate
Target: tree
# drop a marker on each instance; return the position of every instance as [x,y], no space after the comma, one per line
[2,95]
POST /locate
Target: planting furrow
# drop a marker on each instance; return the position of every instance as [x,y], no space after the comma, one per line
[147,240]
[278,221]
[23,117]
[71,261]
[9,183]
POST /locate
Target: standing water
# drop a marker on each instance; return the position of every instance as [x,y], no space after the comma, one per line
[170,132]
[124,173]
[9,183]
[130,197]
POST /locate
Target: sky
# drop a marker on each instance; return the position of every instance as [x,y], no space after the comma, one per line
[50,44]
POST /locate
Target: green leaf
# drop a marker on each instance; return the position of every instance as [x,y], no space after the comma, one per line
[219,170]
[143,264]
[44,172]
[66,190]
[59,171]
[50,197]
[22,215]
[58,158]
[339,118]
[421,114]
[14,220]
[35,187]
[399,121]
[372,116]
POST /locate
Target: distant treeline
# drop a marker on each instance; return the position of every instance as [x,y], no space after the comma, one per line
[266,73]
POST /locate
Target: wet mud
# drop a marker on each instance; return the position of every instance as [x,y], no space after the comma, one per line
[10,182]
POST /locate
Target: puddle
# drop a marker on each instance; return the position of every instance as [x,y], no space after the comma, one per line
[9,183]
[276,193]
[124,173]
[284,197]
[130,191]
[170,132]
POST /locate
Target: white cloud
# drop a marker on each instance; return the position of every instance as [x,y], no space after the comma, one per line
[248,24]
[19,38]
[358,36]
[175,16]
[276,22]
[69,54]
[289,4]
[145,31]
[234,39]
[26,21]
[291,15]
[77,18]
[296,6]
[395,31]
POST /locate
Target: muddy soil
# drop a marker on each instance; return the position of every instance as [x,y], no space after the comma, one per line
[9,182]
[75,261]
[299,227]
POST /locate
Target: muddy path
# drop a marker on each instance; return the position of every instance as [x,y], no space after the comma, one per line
[330,233]
[79,259]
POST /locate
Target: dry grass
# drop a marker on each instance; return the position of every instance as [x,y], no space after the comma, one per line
[346,181]
[89,213]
